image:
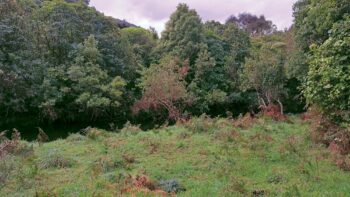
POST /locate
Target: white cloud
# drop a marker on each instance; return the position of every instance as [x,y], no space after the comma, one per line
[155,13]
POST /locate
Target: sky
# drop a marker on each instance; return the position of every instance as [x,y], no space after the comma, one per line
[155,13]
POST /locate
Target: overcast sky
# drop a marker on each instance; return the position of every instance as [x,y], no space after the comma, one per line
[155,13]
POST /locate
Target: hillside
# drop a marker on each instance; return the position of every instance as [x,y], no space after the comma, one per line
[204,157]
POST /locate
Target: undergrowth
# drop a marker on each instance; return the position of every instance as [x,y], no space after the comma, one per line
[201,157]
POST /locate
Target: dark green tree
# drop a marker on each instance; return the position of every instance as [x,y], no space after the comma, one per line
[183,34]
[327,84]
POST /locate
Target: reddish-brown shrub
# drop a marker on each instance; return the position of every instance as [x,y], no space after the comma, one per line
[164,87]
[141,184]
[244,122]
[8,146]
[274,111]
[336,138]
[343,163]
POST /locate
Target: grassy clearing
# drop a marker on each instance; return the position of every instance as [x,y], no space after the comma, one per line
[207,157]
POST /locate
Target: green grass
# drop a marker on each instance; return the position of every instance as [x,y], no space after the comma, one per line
[271,158]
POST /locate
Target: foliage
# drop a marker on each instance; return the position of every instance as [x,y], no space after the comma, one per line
[54,159]
[328,80]
[314,18]
[142,42]
[40,44]
[164,87]
[7,166]
[84,85]
[264,71]
[183,33]
[130,129]
[207,81]
[275,157]
[254,25]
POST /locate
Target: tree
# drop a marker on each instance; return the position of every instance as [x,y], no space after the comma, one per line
[164,87]
[83,86]
[183,34]
[142,42]
[264,72]
[208,85]
[314,18]
[254,25]
[20,69]
[328,79]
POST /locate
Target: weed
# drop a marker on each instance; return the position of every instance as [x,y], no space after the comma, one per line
[236,185]
[7,166]
[202,124]
[54,159]
[275,179]
[245,121]
[130,129]
[93,133]
[76,137]
[23,149]
[106,164]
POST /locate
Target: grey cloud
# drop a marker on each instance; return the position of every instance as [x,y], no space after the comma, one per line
[155,11]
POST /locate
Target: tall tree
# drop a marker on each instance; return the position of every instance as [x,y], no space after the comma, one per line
[164,87]
[314,18]
[209,84]
[183,34]
[327,84]
[254,25]
[84,86]
[264,72]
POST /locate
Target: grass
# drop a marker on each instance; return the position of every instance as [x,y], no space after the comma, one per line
[268,159]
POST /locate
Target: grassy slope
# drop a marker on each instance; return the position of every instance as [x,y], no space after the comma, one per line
[271,156]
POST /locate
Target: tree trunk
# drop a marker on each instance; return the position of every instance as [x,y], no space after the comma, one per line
[281,106]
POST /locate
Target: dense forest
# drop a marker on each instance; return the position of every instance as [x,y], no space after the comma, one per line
[63,61]
[204,108]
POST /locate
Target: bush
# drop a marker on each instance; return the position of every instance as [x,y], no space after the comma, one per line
[54,159]
[23,149]
[131,129]
[7,166]
[93,133]
[201,124]
[106,164]
[76,137]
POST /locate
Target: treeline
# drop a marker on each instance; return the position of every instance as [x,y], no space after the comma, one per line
[64,61]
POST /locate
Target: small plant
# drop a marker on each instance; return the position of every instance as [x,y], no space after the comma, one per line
[275,178]
[92,133]
[171,186]
[131,129]
[42,137]
[7,166]
[201,124]
[245,121]
[236,186]
[54,159]
[8,146]
[76,137]
[106,164]
[23,149]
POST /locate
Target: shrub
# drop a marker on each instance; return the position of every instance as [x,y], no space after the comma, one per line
[23,149]
[201,124]
[92,133]
[54,159]
[131,129]
[171,186]
[8,146]
[106,164]
[76,137]
[245,121]
[7,166]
